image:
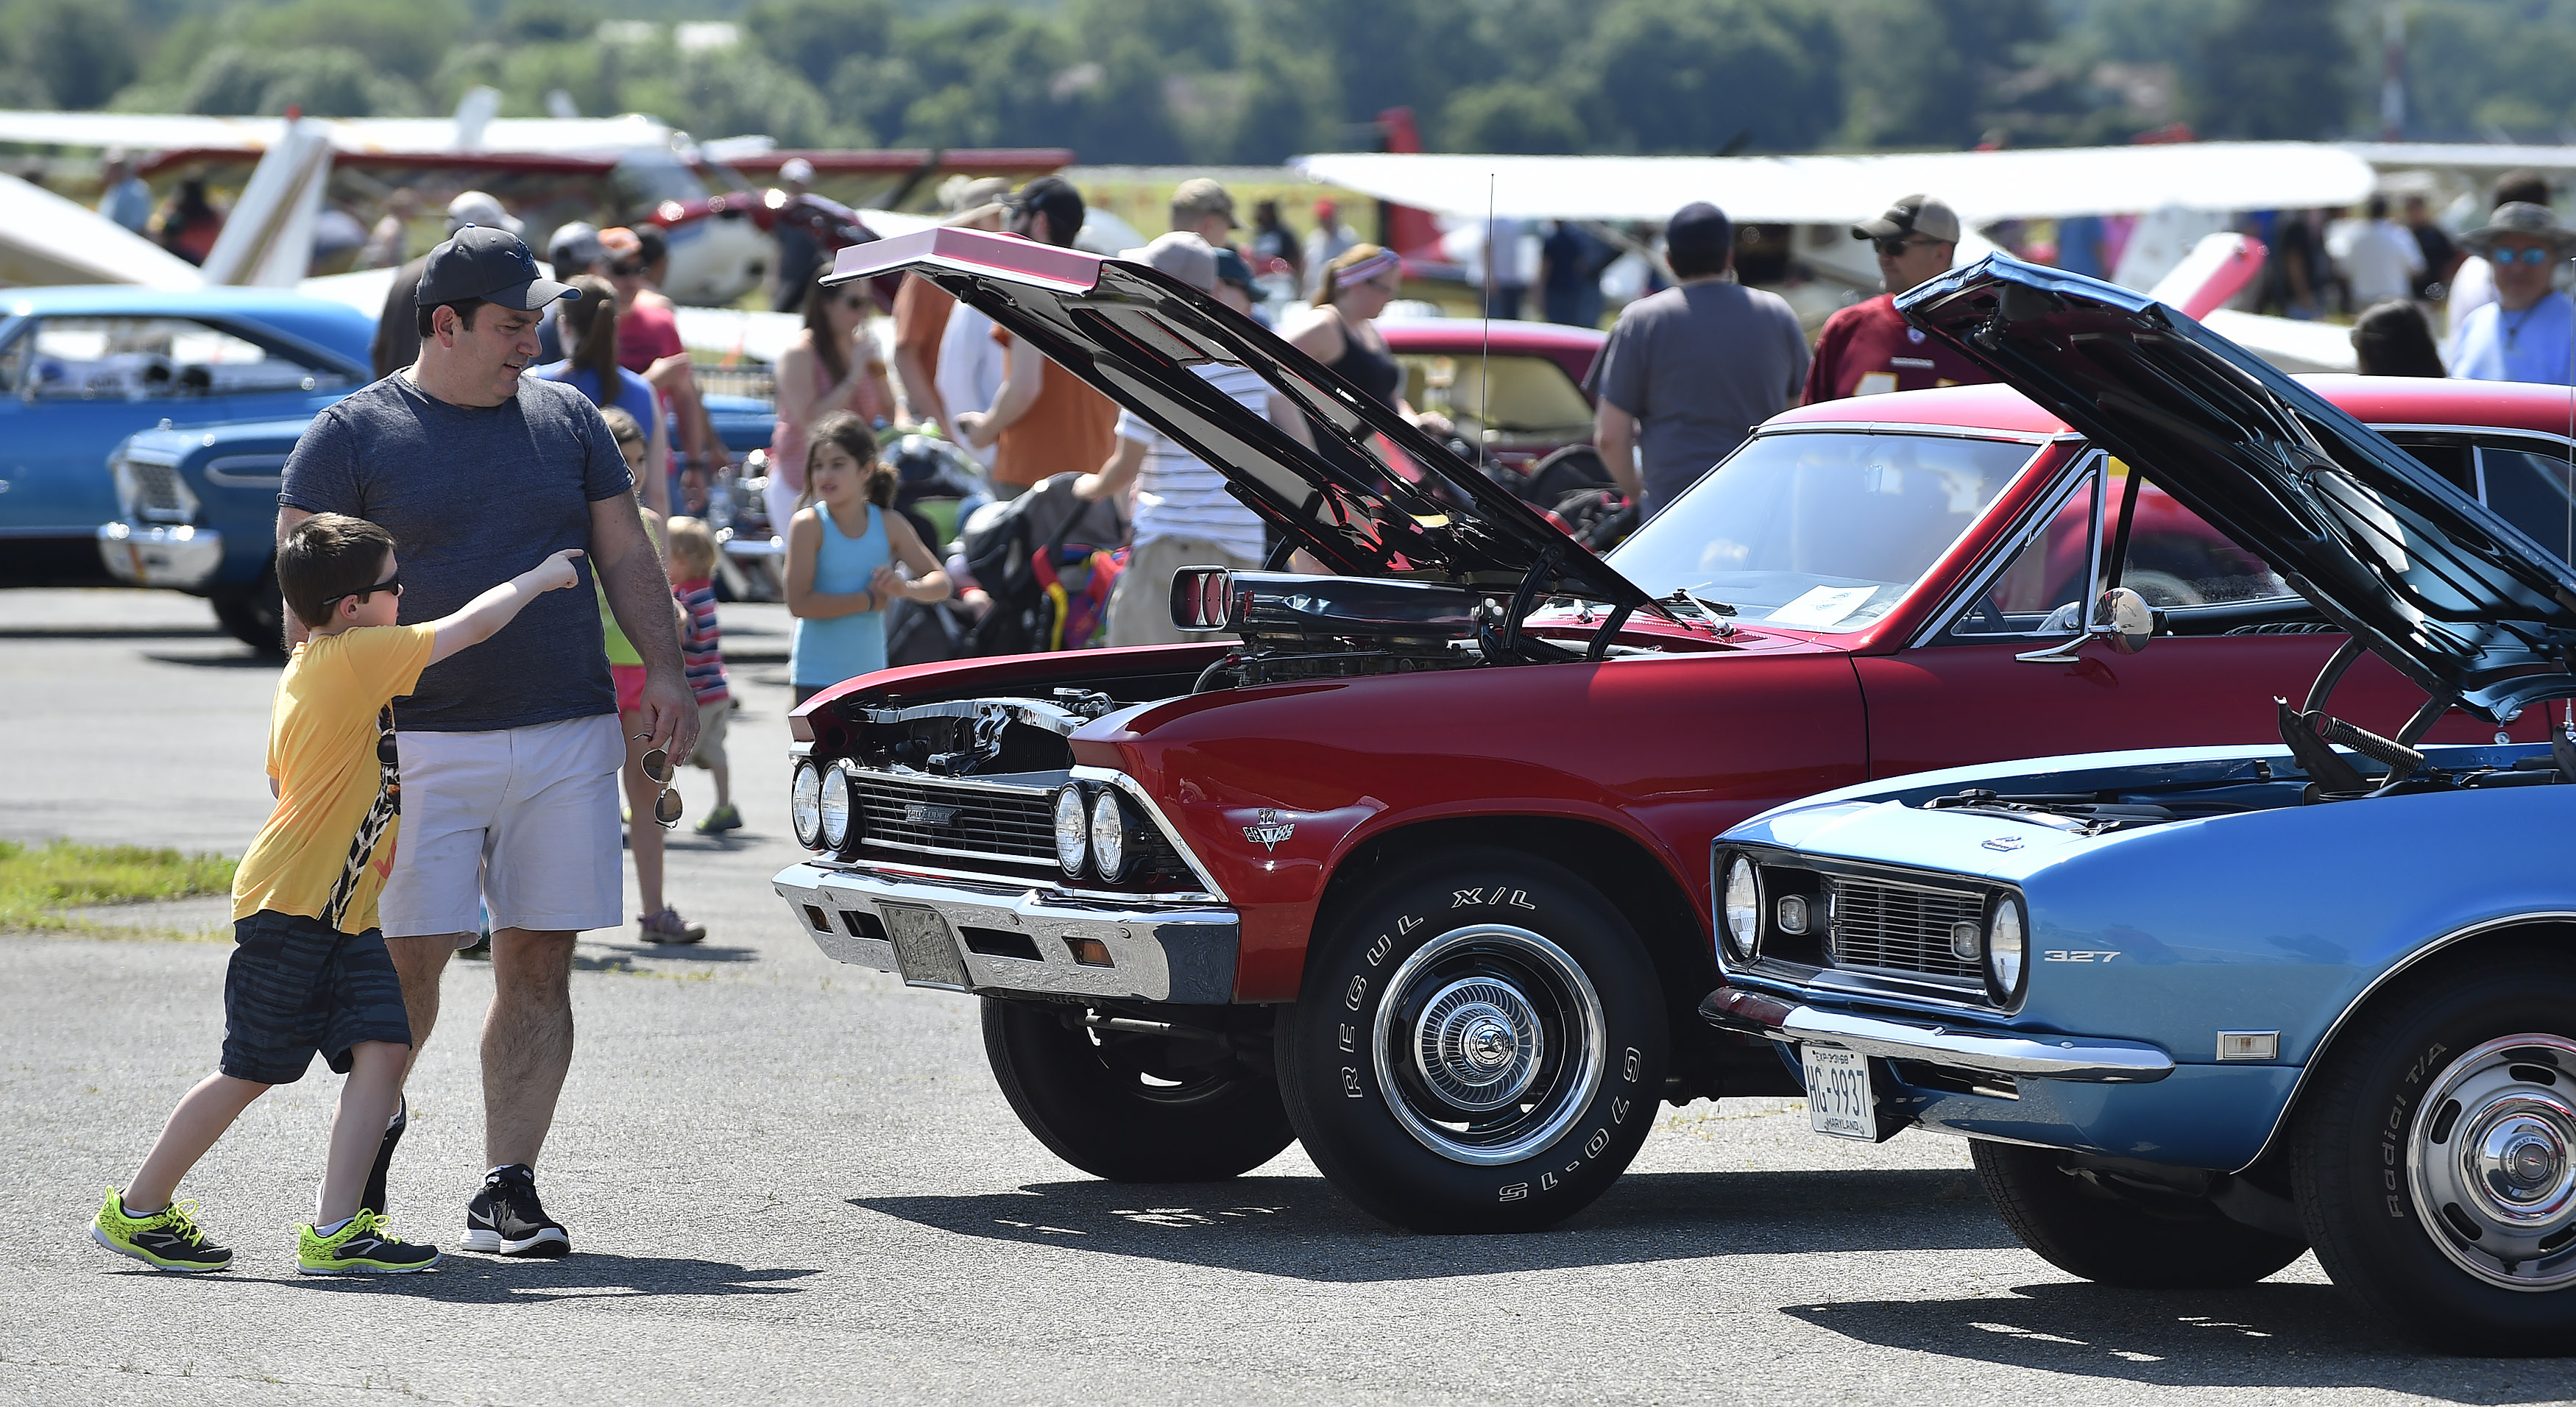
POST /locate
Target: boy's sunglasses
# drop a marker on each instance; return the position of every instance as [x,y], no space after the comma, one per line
[657,770]
[392,583]
[1895,246]
[2527,256]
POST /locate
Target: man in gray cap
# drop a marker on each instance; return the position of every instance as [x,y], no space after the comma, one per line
[510,753]
[397,340]
[2529,332]
[1868,348]
[1184,515]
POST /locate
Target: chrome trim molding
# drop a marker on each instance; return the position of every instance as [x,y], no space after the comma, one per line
[2024,1057]
[246,471]
[1164,952]
[1900,427]
[2326,1041]
[1136,793]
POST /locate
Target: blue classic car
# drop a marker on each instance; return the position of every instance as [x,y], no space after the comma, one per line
[2200,1010]
[83,368]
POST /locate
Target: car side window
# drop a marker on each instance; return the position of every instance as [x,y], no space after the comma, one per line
[2176,560]
[152,358]
[2528,484]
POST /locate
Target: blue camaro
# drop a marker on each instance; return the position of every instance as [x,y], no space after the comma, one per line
[82,368]
[2200,1010]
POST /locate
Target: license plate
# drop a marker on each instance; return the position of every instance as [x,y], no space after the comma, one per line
[922,947]
[1839,1103]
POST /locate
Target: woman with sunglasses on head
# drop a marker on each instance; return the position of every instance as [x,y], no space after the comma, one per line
[590,366]
[832,365]
[1340,330]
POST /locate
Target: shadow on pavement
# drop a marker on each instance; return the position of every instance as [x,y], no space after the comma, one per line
[1300,1227]
[245,658]
[471,1279]
[2270,1335]
[619,957]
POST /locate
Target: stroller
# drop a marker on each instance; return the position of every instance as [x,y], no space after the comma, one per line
[1048,560]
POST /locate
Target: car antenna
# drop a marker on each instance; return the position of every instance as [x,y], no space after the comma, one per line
[1485,362]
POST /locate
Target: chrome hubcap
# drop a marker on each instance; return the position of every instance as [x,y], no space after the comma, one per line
[2492,1162]
[1478,1043]
[1489,1043]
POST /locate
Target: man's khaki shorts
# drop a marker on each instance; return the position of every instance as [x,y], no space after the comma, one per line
[523,820]
[1140,609]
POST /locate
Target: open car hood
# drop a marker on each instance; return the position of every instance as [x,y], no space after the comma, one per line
[2455,597]
[1135,334]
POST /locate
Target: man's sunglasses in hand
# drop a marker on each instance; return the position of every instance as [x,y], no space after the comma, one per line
[657,770]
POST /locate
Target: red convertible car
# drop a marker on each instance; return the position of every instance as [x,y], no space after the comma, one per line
[1416,872]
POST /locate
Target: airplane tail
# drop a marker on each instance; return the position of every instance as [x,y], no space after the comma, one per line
[267,241]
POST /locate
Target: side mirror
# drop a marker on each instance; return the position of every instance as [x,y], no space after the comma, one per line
[2123,620]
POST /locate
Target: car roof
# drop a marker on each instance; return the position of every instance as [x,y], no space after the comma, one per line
[2374,400]
[336,327]
[1510,335]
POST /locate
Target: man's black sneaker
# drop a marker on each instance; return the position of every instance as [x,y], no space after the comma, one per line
[374,1199]
[505,1218]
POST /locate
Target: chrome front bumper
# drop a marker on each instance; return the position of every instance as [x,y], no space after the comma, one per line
[182,557]
[2022,1057]
[1007,938]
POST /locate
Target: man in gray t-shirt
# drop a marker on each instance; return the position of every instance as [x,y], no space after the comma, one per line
[1688,372]
[510,755]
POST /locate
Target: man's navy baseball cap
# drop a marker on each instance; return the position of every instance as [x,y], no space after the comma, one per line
[493,265]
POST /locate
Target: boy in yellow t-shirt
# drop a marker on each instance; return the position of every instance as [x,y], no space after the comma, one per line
[309,971]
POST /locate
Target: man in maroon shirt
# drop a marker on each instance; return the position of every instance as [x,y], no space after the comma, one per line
[1868,348]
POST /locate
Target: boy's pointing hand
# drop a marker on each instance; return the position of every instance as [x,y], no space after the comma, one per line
[556,572]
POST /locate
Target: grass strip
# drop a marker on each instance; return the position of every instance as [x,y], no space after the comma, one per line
[38,882]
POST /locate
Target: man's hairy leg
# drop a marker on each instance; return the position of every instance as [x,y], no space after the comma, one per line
[527,1042]
[420,962]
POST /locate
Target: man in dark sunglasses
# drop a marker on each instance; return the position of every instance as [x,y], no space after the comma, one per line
[1867,349]
[2529,332]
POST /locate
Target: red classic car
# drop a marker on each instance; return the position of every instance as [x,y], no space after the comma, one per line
[1532,375]
[1416,872]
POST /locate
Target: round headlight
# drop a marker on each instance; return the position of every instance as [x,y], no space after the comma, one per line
[2007,951]
[1109,835]
[834,806]
[1740,909]
[1072,830]
[804,806]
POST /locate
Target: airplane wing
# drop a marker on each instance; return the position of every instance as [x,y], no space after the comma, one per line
[1983,186]
[45,239]
[2476,157]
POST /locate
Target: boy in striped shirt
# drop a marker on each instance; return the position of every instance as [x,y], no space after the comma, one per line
[693,570]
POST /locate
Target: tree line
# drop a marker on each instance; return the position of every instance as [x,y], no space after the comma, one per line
[1252,81]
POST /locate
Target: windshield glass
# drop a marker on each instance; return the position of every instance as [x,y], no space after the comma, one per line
[1823,531]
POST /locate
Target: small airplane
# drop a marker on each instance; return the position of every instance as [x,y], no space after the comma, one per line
[715,200]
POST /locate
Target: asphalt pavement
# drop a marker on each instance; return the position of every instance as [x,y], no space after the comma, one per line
[788,1179]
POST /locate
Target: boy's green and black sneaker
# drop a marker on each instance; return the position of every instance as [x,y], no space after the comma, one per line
[366,1246]
[166,1240]
[723,818]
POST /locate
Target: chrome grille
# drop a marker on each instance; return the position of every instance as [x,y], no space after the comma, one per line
[156,490]
[1902,928]
[949,819]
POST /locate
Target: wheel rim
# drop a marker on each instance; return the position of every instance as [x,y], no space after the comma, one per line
[2492,1162]
[1489,1043]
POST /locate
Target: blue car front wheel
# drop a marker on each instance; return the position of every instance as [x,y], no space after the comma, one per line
[2436,1159]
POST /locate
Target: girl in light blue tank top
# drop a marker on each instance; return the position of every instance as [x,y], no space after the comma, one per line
[842,553]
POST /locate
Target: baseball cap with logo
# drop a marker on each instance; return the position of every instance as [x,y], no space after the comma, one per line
[1200,196]
[489,264]
[1923,215]
[479,208]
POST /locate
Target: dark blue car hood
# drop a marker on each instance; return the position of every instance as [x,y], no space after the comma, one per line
[2451,594]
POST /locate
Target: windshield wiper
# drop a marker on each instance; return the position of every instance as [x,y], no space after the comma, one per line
[1682,605]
